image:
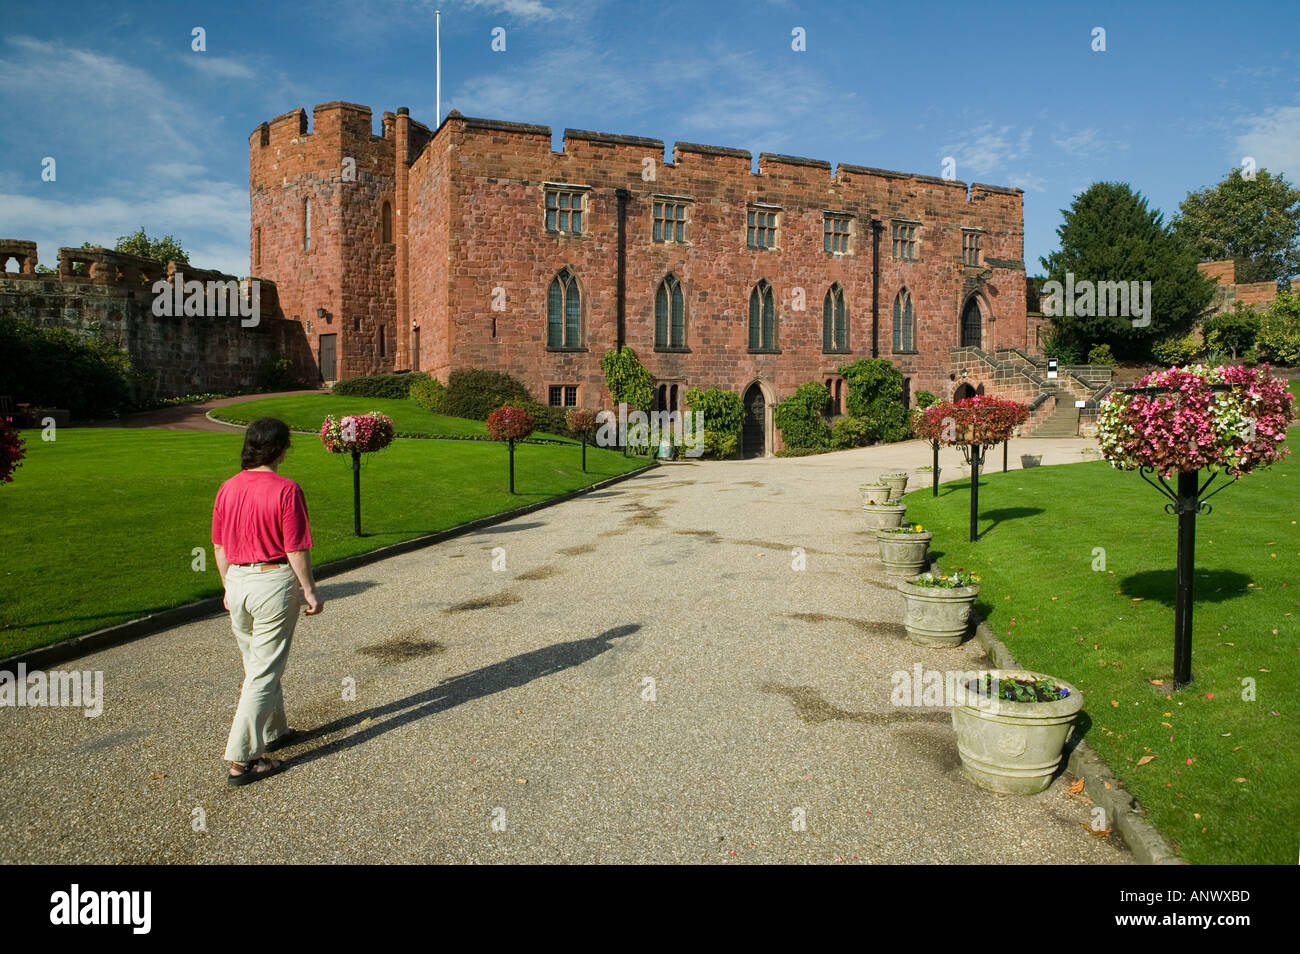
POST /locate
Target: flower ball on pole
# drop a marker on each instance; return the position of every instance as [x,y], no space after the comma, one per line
[1226,420]
[582,422]
[971,424]
[356,434]
[509,423]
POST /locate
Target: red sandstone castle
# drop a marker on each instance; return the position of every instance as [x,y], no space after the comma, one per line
[476,245]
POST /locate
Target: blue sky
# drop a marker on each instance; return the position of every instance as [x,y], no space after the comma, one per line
[145,131]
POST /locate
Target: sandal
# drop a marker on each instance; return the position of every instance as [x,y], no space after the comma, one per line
[253,770]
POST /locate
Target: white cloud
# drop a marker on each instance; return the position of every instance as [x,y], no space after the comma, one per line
[219,67]
[1272,139]
[985,149]
[1027,181]
[522,9]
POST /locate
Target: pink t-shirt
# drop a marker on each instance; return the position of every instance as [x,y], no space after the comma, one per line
[260,516]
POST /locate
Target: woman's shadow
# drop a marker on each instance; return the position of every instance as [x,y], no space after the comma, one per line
[507,674]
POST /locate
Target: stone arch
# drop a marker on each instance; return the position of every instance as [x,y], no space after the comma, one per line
[972,325]
[756,435]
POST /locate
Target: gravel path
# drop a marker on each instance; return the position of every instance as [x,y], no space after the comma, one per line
[646,680]
[190,417]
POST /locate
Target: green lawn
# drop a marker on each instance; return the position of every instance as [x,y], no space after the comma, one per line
[1222,783]
[305,412]
[98,527]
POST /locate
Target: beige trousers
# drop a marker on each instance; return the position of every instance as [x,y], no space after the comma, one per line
[263,612]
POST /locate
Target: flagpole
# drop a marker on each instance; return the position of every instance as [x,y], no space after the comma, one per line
[437,15]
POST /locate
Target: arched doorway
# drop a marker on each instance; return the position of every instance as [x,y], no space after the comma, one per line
[971,324]
[963,392]
[753,434]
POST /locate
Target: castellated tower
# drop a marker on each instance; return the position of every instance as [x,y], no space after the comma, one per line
[325,220]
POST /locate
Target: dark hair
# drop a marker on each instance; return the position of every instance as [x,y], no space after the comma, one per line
[265,440]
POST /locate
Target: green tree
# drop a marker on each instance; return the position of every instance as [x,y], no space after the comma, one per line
[163,250]
[1109,235]
[875,395]
[1256,223]
[627,379]
[801,416]
[1233,331]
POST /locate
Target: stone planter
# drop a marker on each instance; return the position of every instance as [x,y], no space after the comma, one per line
[924,474]
[897,484]
[904,554]
[874,493]
[937,615]
[1013,747]
[883,516]
[1031,460]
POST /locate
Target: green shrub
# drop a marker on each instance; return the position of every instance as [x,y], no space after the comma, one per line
[627,379]
[1177,351]
[274,374]
[851,431]
[58,368]
[397,385]
[802,451]
[718,446]
[1101,355]
[724,413]
[475,393]
[800,416]
[925,399]
[552,420]
[1059,348]
[1233,331]
[1279,330]
[428,393]
[875,394]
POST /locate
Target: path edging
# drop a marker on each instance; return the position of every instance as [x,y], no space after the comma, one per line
[131,630]
[1125,813]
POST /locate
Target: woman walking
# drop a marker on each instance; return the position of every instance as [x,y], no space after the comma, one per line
[263,549]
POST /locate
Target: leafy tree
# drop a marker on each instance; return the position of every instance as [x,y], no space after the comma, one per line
[1233,331]
[627,379]
[800,416]
[1256,223]
[1109,235]
[164,250]
[1279,331]
[875,394]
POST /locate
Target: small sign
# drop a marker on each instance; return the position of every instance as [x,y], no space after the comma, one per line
[1080,403]
[1051,367]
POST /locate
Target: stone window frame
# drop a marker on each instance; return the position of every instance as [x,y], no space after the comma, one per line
[569,285]
[765,295]
[563,392]
[972,240]
[570,189]
[673,293]
[834,382]
[769,229]
[257,247]
[904,333]
[386,222]
[306,223]
[835,306]
[904,235]
[682,204]
[830,218]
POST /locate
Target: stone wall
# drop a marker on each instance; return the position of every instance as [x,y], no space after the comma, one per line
[107,293]
[1258,295]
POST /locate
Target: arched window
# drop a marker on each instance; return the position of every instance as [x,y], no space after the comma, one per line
[564,312]
[762,318]
[835,322]
[670,314]
[971,322]
[386,217]
[904,323]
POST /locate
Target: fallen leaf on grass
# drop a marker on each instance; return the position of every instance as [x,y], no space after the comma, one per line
[1150,758]
[1240,780]
[1114,703]
[157,775]
[1157,682]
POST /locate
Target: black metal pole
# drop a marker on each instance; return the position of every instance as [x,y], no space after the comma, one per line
[356,492]
[1004,457]
[974,491]
[584,453]
[935,474]
[1187,504]
[512,464]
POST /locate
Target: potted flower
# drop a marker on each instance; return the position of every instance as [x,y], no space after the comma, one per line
[1031,460]
[12,451]
[937,607]
[905,549]
[874,491]
[1011,728]
[897,484]
[880,513]
[927,472]
[509,423]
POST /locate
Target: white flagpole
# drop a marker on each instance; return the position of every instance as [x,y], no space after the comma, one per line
[437,15]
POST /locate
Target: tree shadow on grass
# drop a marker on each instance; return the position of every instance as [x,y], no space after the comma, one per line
[1209,586]
[456,690]
[1004,514]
